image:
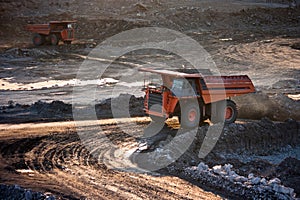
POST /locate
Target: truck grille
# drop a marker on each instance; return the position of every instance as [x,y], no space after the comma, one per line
[155,99]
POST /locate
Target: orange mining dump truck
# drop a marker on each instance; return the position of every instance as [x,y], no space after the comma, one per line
[52,32]
[194,97]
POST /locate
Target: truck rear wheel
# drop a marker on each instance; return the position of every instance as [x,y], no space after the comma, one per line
[190,115]
[53,39]
[230,112]
[38,39]
[225,111]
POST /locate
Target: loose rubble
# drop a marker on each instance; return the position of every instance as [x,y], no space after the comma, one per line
[15,192]
[60,111]
[251,187]
[22,52]
[244,147]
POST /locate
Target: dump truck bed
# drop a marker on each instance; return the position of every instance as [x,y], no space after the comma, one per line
[43,29]
[213,88]
[216,88]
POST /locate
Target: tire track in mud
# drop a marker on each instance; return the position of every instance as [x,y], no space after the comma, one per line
[59,162]
[265,61]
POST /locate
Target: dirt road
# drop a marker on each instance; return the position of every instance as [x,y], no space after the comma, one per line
[51,158]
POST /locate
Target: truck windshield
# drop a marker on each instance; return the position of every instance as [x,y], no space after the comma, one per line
[184,87]
[177,84]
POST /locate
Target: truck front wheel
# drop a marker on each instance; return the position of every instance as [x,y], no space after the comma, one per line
[190,115]
[38,39]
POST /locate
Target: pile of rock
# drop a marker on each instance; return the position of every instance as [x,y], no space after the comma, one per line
[22,52]
[121,105]
[16,192]
[60,111]
[224,178]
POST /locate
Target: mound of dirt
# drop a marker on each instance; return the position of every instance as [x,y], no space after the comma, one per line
[39,111]
[60,111]
[278,107]
[255,138]
[104,109]
[22,52]
[250,187]
[260,138]
[289,173]
[245,146]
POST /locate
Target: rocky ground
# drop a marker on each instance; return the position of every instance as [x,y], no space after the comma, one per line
[257,157]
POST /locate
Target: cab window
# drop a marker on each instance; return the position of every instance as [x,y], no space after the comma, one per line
[184,87]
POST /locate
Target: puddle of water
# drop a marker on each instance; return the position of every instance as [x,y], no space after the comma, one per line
[6,85]
[295,97]
[133,84]
[22,171]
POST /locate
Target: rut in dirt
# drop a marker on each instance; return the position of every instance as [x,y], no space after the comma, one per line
[58,157]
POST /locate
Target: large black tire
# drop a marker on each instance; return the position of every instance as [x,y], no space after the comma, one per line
[54,39]
[230,112]
[225,111]
[38,39]
[190,115]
